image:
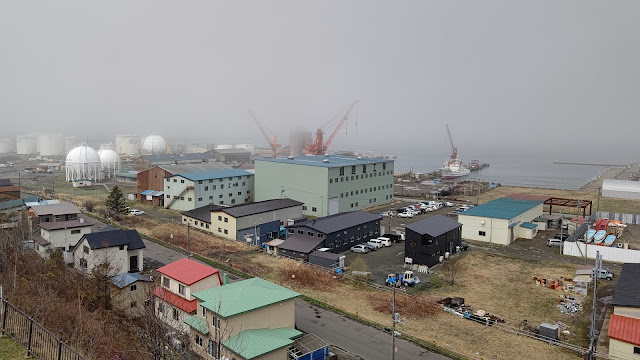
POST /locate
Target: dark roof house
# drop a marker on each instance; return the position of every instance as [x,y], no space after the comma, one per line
[337,222]
[627,291]
[202,213]
[107,239]
[259,207]
[434,225]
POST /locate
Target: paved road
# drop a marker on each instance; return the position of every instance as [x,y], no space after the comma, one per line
[358,339]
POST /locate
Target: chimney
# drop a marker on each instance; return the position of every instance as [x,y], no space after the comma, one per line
[225,279]
[81,220]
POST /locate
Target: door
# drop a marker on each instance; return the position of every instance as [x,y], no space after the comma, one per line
[333,206]
[133,263]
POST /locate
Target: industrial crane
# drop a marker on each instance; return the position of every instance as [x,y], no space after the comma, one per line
[454,149]
[319,147]
[272,140]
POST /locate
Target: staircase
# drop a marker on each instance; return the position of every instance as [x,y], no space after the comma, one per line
[176,197]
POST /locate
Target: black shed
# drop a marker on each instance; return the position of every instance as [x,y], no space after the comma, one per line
[426,240]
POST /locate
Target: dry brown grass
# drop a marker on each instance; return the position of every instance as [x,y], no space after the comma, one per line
[307,276]
[421,306]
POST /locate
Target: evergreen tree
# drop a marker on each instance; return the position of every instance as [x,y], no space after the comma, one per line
[116,206]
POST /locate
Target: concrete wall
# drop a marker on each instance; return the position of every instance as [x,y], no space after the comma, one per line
[307,184]
[64,238]
[357,190]
[621,350]
[608,253]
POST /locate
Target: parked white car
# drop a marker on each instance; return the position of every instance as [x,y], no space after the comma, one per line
[405,215]
[448,204]
[385,241]
[136,212]
[375,242]
[387,214]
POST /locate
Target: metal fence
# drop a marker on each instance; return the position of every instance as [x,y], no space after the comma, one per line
[625,218]
[39,342]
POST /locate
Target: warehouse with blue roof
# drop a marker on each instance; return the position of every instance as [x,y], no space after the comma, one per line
[328,184]
[501,221]
[188,191]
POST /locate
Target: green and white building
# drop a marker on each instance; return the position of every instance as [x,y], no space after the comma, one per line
[327,185]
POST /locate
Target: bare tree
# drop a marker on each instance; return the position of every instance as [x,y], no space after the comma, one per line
[157,336]
[451,268]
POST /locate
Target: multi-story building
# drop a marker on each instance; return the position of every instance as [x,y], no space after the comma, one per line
[256,222]
[130,293]
[339,232]
[53,213]
[179,281]
[187,191]
[152,179]
[327,185]
[250,319]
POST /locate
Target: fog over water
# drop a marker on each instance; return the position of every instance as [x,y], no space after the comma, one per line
[517,81]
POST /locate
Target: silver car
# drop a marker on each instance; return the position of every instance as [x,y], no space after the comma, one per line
[363,249]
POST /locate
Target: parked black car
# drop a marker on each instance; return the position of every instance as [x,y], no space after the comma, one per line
[561,236]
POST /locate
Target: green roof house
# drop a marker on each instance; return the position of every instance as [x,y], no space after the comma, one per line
[249,319]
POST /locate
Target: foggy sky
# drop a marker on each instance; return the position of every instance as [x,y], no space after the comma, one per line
[507,76]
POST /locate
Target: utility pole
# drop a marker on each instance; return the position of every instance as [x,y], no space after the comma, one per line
[592,330]
[393,320]
[478,201]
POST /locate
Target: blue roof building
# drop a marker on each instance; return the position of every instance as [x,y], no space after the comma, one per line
[501,221]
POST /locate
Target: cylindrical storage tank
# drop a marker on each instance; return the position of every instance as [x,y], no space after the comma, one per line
[108,146]
[224,147]
[69,143]
[110,162]
[26,144]
[154,144]
[5,146]
[298,139]
[51,144]
[83,163]
[248,147]
[127,144]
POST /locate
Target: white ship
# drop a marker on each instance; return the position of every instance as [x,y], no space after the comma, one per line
[453,168]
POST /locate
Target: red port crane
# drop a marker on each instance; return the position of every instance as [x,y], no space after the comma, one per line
[272,140]
[454,149]
[319,147]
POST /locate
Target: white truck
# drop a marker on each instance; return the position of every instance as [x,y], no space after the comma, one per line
[604,273]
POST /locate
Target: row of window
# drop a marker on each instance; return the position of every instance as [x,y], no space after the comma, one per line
[364,169]
[357,177]
[210,180]
[211,197]
[313,208]
[166,282]
[364,191]
[224,231]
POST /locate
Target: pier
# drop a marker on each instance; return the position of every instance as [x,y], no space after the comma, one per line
[589,164]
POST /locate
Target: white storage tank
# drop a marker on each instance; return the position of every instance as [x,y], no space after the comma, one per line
[5,146]
[248,147]
[51,144]
[69,143]
[26,144]
[83,163]
[127,144]
[224,147]
[154,144]
[110,162]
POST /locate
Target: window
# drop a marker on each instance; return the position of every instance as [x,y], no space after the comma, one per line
[85,249]
[220,196]
[219,218]
[304,207]
[330,181]
[330,246]
[353,170]
[244,183]
[341,195]
[226,219]
[239,192]
[233,201]
[351,204]
[198,340]
[166,282]
[199,181]
[134,304]
[353,239]
[181,197]
[314,209]
[83,263]
[75,231]
[188,199]
[181,181]
[215,322]
[161,308]
[482,233]
[121,247]
[226,231]
[300,232]
[175,180]
[213,349]
[182,289]
[309,233]
[356,203]
[636,350]
[211,197]
[341,179]
[384,166]
[320,235]
[352,177]
[207,226]
[133,287]
[206,188]
[230,194]
[342,171]
[213,187]
[219,229]
[351,193]
[204,312]
[199,199]
[338,243]
[248,191]
[364,169]
[176,314]
[220,180]
[371,233]
[168,196]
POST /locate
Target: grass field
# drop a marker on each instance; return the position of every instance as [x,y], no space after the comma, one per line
[9,350]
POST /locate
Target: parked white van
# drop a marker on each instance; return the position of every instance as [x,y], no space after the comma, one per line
[385,241]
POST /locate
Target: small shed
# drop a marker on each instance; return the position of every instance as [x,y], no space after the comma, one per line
[300,246]
[152,197]
[82,183]
[528,230]
[272,246]
[327,259]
